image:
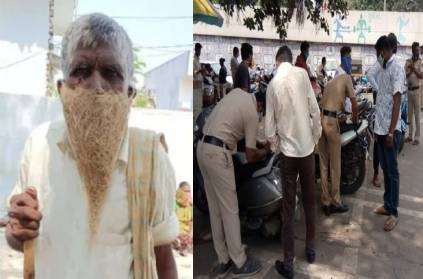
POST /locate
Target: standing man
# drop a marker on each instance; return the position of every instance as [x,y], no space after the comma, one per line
[234,62]
[242,75]
[198,82]
[321,71]
[234,118]
[222,79]
[388,130]
[302,58]
[334,96]
[346,62]
[414,72]
[374,79]
[293,126]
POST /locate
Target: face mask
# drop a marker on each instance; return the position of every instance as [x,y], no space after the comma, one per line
[380,60]
[346,63]
[96,125]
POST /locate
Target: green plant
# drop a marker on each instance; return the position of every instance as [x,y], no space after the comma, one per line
[281,12]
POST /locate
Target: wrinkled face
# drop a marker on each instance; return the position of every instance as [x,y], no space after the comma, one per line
[99,68]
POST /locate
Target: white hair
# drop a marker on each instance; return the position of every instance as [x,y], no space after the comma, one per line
[92,29]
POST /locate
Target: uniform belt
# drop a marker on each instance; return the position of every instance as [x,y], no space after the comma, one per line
[413,88]
[330,113]
[214,141]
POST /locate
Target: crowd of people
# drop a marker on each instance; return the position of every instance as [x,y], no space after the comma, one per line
[297,125]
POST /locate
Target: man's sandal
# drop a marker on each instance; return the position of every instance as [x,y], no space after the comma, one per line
[416,142]
[390,223]
[381,211]
[408,139]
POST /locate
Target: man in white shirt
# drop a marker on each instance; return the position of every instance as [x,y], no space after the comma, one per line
[74,198]
[293,128]
[388,129]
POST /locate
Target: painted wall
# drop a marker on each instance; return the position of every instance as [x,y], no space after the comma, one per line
[166,83]
[20,114]
[265,50]
[360,27]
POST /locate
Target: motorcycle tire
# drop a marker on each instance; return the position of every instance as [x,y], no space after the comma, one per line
[351,188]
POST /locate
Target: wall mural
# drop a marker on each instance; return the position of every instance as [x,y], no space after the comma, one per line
[340,27]
[361,29]
[402,23]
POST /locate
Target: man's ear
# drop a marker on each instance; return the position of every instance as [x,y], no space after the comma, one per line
[59,85]
[132,92]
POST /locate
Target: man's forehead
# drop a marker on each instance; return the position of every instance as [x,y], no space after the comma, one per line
[101,53]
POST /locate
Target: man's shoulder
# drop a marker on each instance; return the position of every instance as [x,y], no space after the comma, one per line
[48,130]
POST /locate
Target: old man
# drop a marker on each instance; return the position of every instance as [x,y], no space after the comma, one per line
[95,196]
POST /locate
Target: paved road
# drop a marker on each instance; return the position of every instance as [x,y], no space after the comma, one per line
[351,245]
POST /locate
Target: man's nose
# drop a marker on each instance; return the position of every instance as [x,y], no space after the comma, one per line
[98,83]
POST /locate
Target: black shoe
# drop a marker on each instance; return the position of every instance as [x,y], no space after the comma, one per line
[310,255]
[250,268]
[338,209]
[326,210]
[284,270]
[221,270]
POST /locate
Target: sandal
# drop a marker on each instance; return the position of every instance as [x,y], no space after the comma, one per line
[408,139]
[381,211]
[416,142]
[390,223]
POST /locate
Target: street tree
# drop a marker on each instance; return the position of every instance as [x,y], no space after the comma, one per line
[281,12]
[391,5]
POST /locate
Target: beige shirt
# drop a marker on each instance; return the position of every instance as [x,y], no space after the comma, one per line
[413,80]
[198,77]
[61,249]
[292,112]
[336,91]
[234,118]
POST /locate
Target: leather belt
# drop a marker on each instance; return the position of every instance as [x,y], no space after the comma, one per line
[214,141]
[330,113]
[413,88]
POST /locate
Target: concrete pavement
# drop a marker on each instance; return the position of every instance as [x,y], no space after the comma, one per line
[350,245]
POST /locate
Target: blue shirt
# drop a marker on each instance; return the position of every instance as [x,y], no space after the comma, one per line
[391,81]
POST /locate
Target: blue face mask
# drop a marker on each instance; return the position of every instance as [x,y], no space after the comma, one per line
[346,63]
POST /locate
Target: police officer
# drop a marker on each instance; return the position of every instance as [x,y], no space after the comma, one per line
[335,93]
[235,117]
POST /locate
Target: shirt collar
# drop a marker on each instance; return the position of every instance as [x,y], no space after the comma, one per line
[283,69]
[64,146]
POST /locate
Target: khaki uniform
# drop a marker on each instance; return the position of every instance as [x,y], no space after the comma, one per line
[330,143]
[414,98]
[197,98]
[234,118]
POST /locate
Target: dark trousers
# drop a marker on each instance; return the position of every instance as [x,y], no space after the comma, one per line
[290,169]
[375,158]
[389,164]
